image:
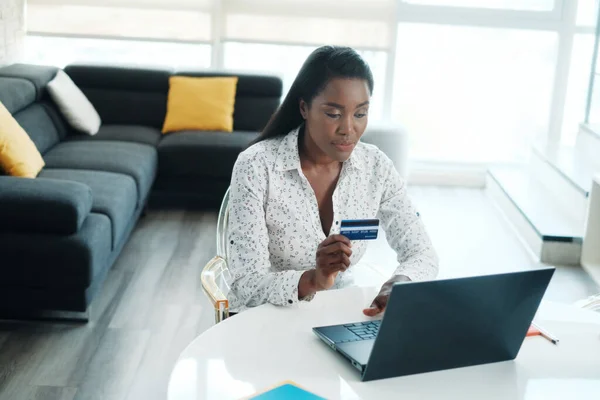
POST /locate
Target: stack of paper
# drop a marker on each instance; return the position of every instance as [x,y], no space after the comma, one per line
[591,303]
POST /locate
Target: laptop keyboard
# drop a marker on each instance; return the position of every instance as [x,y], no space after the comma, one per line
[363,330]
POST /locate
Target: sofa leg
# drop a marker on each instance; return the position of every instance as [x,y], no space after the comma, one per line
[69,316]
[47,315]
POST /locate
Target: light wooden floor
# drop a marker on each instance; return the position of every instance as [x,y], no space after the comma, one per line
[151,305]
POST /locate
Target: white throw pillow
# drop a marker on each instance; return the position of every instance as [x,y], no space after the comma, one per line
[72,103]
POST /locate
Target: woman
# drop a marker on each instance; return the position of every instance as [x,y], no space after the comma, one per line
[304,174]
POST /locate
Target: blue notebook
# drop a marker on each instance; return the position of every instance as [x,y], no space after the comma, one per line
[288,391]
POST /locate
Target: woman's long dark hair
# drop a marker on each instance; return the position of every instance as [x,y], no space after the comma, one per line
[324,64]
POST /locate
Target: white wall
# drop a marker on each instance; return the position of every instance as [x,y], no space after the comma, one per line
[12,30]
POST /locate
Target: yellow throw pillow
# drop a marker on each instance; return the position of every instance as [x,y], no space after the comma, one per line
[204,104]
[18,154]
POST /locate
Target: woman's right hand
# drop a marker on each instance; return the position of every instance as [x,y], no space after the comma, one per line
[333,256]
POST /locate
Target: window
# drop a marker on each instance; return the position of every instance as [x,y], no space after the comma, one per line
[286,61]
[587,12]
[594,112]
[276,36]
[135,32]
[473,94]
[471,80]
[128,19]
[579,79]
[311,30]
[118,21]
[60,51]
[531,5]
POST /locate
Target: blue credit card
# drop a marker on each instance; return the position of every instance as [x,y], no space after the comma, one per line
[360,229]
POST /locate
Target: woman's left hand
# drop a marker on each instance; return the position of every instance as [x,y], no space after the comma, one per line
[378,305]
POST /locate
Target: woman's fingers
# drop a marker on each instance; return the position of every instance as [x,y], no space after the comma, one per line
[333,249]
[336,258]
[377,306]
[335,268]
[336,238]
[337,247]
[333,256]
[345,260]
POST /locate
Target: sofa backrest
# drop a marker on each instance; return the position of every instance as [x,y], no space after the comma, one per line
[121,95]
[124,95]
[23,93]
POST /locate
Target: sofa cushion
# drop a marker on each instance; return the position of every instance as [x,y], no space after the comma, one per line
[133,159]
[199,153]
[49,260]
[38,75]
[40,126]
[204,104]
[253,113]
[19,156]
[256,99]
[126,133]
[16,93]
[114,195]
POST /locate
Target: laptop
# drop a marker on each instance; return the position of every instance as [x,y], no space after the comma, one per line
[443,324]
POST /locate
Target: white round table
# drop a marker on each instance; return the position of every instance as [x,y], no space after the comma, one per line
[264,346]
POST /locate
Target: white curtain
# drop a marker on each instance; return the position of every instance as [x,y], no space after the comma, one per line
[363,24]
[184,20]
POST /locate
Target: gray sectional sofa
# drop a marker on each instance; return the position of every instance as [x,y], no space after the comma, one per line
[61,232]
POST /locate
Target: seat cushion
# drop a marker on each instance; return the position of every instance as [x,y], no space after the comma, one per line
[114,195]
[198,153]
[133,159]
[40,260]
[124,133]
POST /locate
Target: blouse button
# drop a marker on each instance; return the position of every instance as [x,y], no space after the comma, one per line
[291,301]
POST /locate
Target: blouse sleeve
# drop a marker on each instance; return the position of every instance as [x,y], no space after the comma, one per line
[405,230]
[253,280]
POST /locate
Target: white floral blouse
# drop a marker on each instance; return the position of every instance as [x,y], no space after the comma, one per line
[275,228]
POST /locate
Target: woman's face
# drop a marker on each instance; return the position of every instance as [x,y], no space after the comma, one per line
[337,117]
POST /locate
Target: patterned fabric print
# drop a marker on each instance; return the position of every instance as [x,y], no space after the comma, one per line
[274,227]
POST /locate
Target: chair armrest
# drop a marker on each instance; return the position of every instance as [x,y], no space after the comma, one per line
[212,273]
[43,205]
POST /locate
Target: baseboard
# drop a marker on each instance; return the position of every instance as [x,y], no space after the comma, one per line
[18,316]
